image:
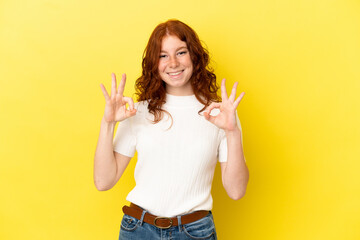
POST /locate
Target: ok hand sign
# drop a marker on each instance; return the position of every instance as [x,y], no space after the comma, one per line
[226,119]
[115,107]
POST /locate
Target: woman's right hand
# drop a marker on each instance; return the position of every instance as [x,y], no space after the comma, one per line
[115,107]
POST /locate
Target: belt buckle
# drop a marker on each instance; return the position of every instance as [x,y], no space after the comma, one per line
[161,226]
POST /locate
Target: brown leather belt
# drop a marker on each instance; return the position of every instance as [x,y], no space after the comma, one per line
[163,222]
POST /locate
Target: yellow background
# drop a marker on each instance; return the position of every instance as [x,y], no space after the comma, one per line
[297,61]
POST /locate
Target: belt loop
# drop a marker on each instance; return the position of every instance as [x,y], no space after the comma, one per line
[142,217]
[179,222]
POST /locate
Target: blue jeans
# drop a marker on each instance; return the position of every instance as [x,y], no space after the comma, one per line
[135,229]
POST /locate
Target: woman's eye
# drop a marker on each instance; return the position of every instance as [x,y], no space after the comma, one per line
[182,53]
[162,56]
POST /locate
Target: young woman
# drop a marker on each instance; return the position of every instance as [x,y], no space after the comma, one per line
[180,129]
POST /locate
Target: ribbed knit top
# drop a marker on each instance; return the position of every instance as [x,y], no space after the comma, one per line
[176,159]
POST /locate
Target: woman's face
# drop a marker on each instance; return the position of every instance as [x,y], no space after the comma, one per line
[175,66]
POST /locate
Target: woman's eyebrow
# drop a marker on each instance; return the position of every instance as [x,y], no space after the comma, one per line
[163,51]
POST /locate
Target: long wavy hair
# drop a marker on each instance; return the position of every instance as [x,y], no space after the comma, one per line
[151,88]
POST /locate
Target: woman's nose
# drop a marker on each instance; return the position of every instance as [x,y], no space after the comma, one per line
[173,62]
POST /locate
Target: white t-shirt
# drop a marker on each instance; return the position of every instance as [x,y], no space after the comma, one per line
[176,158]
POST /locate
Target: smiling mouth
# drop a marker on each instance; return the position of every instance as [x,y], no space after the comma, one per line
[175,73]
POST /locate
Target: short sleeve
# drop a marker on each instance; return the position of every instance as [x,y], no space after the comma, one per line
[222,150]
[125,139]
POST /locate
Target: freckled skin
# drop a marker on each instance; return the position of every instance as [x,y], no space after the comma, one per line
[175,59]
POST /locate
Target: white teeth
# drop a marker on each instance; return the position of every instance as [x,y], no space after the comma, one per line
[174,74]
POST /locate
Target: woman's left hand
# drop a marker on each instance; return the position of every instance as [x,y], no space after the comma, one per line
[226,119]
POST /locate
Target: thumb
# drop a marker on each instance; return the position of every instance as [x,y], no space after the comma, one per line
[130,113]
[209,117]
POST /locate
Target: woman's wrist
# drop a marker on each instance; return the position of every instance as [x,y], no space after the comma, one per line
[233,133]
[107,125]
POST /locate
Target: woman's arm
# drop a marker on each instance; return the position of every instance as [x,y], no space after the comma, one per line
[234,172]
[109,165]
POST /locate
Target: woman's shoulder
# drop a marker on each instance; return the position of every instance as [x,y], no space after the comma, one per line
[142,113]
[141,110]
[141,106]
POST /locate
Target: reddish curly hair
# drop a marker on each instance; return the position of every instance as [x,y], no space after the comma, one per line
[151,88]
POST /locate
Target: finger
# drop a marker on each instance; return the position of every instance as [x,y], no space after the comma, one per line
[209,117]
[224,95]
[129,101]
[113,85]
[233,92]
[237,101]
[212,106]
[105,93]
[130,113]
[122,85]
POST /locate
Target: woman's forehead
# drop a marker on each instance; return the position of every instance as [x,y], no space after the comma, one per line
[172,43]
